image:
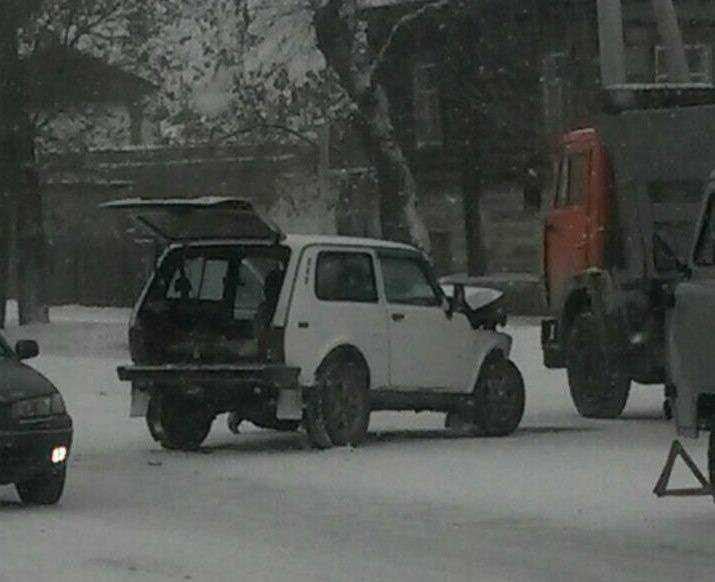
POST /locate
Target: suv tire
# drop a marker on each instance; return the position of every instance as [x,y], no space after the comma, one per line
[338,407]
[499,401]
[598,388]
[45,489]
[500,397]
[177,424]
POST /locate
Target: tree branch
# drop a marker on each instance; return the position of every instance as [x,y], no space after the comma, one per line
[402,23]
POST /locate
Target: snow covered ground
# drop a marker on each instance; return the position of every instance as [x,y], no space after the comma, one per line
[562,499]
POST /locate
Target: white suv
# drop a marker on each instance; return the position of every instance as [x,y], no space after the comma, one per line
[321,330]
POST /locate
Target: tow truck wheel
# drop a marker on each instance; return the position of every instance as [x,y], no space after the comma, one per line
[598,388]
[500,397]
[45,489]
[177,424]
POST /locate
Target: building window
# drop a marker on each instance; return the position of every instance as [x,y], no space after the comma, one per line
[428,108]
[699,58]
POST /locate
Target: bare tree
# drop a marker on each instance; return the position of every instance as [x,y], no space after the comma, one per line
[104,28]
[337,30]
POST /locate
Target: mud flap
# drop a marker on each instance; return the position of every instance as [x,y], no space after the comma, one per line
[661,487]
[290,404]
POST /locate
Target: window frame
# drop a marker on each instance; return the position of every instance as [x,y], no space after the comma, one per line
[423,93]
[706,55]
[373,271]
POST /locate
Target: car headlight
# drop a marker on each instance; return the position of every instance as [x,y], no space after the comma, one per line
[37,407]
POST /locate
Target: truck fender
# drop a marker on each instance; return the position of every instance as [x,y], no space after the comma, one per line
[491,342]
[592,287]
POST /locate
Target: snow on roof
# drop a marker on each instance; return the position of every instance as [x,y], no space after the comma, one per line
[299,241]
[201,202]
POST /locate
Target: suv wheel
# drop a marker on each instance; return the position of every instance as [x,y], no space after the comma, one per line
[499,397]
[338,407]
[45,489]
[598,388]
[176,423]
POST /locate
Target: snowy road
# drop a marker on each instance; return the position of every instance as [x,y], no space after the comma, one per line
[563,499]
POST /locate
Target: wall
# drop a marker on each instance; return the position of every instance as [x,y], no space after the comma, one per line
[98,257]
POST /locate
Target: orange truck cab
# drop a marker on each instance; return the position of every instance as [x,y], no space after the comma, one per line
[626,198]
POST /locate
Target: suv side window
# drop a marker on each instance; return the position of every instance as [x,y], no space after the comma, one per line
[407,281]
[345,276]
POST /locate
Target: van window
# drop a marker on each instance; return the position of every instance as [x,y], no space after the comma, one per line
[345,276]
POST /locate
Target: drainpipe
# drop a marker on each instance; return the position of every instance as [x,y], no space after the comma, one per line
[672,37]
[612,46]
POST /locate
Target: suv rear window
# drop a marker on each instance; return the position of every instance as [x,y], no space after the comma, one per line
[199,278]
[345,276]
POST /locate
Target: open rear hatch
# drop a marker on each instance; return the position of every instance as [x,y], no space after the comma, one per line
[187,220]
[205,316]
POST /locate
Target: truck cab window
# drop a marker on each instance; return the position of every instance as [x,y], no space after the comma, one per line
[573,181]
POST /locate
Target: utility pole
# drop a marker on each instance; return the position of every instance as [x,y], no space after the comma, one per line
[669,30]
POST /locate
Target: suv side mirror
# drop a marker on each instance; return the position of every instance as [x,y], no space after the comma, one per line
[27,349]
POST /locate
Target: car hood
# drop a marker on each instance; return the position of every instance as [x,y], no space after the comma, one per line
[18,382]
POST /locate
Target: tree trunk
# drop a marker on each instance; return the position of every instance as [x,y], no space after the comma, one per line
[471,195]
[32,303]
[336,25]
[19,188]
[5,234]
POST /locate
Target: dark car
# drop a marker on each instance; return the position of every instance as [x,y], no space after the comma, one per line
[35,429]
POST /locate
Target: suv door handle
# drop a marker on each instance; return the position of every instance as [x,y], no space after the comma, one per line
[398,316]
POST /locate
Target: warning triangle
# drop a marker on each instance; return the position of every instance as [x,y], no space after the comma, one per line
[661,487]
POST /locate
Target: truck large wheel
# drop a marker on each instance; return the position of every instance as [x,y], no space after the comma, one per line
[177,424]
[338,407]
[598,388]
